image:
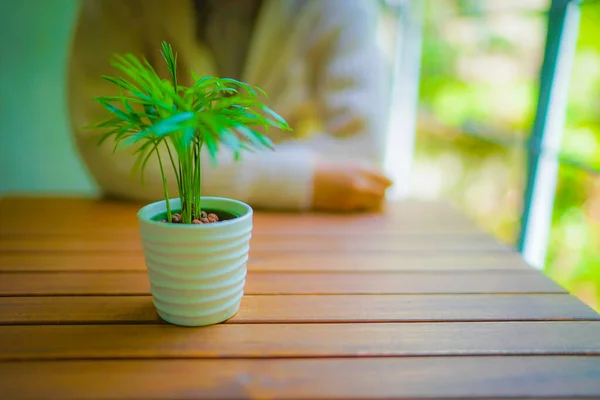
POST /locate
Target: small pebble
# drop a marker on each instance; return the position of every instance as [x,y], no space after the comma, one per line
[197,221]
[203,214]
[213,216]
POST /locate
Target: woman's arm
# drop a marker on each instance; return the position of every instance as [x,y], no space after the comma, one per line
[348,90]
[277,180]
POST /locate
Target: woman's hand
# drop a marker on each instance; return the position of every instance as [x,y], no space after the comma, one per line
[348,186]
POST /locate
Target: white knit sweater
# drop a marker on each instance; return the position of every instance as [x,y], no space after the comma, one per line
[315,58]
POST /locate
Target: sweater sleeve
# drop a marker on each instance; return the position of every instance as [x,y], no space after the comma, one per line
[351,81]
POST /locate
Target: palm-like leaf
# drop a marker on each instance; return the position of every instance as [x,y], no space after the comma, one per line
[213,112]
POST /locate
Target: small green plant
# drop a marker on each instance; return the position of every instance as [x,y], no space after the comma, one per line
[154,112]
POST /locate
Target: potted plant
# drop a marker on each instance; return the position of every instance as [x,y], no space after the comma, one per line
[195,247]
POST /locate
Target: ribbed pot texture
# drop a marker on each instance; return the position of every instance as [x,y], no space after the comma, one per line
[197,272]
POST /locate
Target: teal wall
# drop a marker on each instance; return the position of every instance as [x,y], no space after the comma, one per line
[36,152]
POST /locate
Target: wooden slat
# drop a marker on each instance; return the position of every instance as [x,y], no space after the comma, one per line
[135,283]
[303,340]
[266,243]
[116,208]
[274,261]
[118,218]
[265,225]
[306,309]
[367,378]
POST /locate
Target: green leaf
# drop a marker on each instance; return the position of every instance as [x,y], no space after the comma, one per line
[106,135]
[254,137]
[218,91]
[212,147]
[132,72]
[142,154]
[119,113]
[188,137]
[213,112]
[205,80]
[165,126]
[113,121]
[210,121]
[265,140]
[172,123]
[147,158]
[171,60]
[229,138]
[122,83]
[128,106]
[252,90]
[145,76]
[142,99]
[281,122]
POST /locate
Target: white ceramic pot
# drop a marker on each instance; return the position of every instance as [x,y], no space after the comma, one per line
[197,272]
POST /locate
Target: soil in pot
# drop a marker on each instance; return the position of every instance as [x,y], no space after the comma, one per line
[206,217]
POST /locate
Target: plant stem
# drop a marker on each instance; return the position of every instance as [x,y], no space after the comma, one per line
[188,193]
[197,177]
[194,179]
[191,181]
[184,192]
[177,173]
[190,190]
[165,187]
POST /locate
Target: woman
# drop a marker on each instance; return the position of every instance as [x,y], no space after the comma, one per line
[317,59]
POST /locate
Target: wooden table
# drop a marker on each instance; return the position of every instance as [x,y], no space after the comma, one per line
[416,302]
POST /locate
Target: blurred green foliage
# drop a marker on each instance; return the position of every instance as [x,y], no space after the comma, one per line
[481,62]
